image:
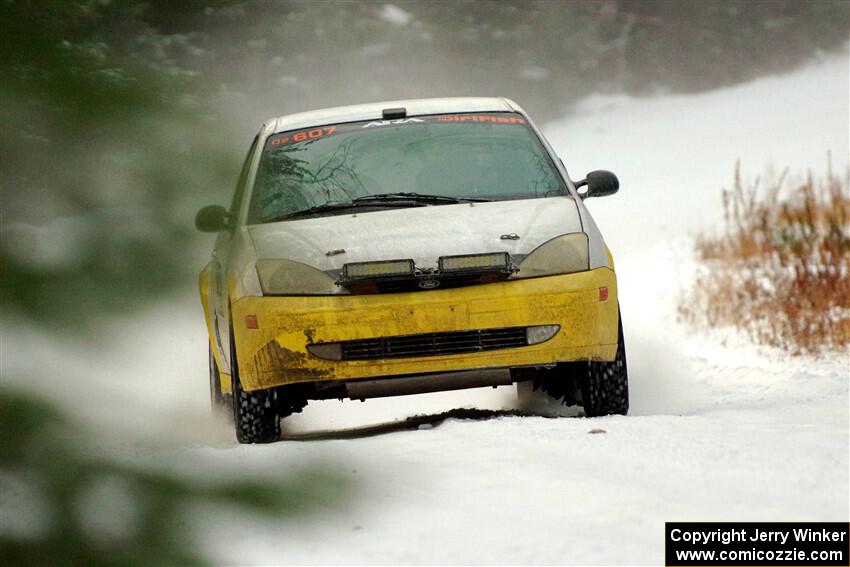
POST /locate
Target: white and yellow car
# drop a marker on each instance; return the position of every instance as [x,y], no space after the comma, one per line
[406,247]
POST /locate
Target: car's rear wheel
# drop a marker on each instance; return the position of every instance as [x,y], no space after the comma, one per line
[255,413]
[605,387]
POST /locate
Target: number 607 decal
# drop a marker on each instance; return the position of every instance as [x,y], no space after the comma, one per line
[304,135]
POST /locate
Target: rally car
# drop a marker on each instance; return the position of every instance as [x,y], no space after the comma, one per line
[407,247]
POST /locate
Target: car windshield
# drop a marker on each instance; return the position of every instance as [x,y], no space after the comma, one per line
[433,159]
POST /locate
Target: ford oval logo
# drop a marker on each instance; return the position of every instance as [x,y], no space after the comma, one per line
[429,284]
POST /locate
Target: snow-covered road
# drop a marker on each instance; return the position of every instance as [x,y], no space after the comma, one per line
[717,431]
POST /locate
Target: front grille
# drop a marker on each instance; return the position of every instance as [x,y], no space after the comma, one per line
[434,344]
[411,283]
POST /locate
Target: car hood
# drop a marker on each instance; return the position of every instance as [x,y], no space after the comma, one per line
[420,233]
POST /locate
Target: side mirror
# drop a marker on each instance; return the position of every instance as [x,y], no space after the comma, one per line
[213,218]
[600,183]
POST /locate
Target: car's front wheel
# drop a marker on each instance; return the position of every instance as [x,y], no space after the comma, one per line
[255,413]
[605,387]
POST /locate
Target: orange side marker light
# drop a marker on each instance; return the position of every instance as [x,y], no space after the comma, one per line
[251,322]
[603,294]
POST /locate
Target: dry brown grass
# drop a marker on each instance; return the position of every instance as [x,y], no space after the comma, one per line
[780,268]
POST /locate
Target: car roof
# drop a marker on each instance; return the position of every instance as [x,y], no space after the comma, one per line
[373,111]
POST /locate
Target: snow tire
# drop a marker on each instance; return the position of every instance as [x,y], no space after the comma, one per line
[255,414]
[605,388]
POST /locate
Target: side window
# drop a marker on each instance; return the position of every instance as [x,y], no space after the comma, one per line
[243,178]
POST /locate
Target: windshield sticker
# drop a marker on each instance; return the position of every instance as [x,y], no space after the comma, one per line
[389,122]
[286,139]
[304,135]
[481,118]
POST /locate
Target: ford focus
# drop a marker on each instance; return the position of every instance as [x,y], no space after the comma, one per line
[408,247]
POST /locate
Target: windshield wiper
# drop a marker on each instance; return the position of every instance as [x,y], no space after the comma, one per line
[379,200]
[329,207]
[417,197]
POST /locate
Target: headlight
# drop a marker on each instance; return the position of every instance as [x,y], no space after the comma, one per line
[561,255]
[286,277]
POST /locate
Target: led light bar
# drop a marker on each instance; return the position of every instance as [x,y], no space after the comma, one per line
[475,262]
[381,269]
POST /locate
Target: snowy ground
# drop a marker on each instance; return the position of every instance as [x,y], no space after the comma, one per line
[717,431]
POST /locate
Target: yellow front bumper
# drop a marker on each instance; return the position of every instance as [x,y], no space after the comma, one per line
[276,353]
